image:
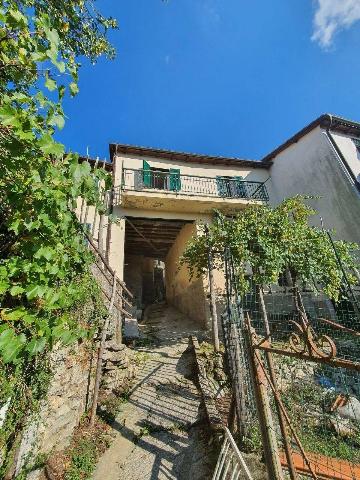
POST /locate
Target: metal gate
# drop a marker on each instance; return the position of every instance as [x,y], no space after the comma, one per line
[294,359]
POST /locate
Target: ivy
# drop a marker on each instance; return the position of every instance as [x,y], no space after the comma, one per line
[268,240]
[24,384]
[43,257]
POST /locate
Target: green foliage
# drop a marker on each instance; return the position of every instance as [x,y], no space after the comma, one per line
[42,251]
[317,435]
[112,406]
[22,386]
[25,383]
[83,461]
[269,240]
[85,450]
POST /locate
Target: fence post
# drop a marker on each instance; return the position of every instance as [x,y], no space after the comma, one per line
[214,318]
[101,353]
[269,360]
[268,434]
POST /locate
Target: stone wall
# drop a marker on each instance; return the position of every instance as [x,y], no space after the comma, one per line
[70,392]
[70,396]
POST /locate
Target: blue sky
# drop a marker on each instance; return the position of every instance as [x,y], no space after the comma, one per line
[222,77]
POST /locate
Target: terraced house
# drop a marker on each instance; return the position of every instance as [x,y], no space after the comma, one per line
[161,197]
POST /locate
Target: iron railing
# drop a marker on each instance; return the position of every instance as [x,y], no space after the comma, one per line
[173,182]
[231,464]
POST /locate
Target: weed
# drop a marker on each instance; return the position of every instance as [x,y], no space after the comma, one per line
[87,446]
[140,358]
[112,405]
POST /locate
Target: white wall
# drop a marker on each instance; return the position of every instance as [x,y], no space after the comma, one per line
[311,167]
[190,168]
[349,150]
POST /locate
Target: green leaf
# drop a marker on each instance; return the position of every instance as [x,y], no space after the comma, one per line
[4,286]
[12,349]
[74,89]
[44,252]
[9,116]
[50,84]
[35,291]
[49,147]
[16,290]
[18,17]
[53,37]
[6,337]
[15,314]
[36,345]
[58,121]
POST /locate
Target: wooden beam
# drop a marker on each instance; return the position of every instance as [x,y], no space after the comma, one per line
[146,240]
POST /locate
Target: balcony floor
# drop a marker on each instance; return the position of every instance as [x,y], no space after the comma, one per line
[178,202]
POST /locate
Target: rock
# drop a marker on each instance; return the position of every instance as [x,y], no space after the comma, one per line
[131,328]
[350,410]
[115,347]
[3,411]
[342,426]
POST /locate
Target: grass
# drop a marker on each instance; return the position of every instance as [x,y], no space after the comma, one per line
[140,358]
[308,406]
[83,460]
[85,450]
[326,442]
[150,429]
[112,405]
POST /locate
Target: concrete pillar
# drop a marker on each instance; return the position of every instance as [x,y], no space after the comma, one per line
[117,247]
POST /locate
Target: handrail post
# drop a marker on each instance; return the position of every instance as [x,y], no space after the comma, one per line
[101,353]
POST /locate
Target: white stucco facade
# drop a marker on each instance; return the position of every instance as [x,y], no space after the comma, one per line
[312,166]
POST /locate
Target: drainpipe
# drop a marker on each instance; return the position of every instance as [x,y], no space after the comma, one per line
[341,158]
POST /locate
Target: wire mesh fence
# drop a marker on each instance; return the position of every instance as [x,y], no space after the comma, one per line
[294,359]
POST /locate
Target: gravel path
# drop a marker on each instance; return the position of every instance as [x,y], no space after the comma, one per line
[160,433]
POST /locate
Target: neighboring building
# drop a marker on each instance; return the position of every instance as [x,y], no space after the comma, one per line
[323,159]
[160,197]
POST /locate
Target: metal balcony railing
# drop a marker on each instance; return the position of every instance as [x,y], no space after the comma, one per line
[174,182]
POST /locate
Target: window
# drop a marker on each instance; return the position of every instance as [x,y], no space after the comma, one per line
[160,178]
[357,143]
[232,187]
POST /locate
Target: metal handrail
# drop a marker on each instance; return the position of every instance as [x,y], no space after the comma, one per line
[173,182]
[187,175]
[231,463]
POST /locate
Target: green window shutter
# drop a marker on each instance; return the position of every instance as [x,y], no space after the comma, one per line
[240,187]
[175,182]
[221,186]
[146,174]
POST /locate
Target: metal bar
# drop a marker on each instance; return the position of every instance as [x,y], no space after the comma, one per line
[229,458]
[271,451]
[107,266]
[336,362]
[281,405]
[229,187]
[269,359]
[192,176]
[340,327]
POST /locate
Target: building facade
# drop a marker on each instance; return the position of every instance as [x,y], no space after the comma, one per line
[160,198]
[323,160]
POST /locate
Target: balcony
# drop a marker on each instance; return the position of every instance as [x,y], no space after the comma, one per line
[169,190]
